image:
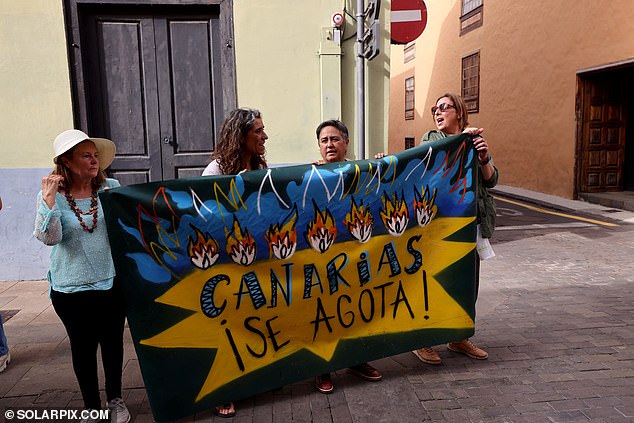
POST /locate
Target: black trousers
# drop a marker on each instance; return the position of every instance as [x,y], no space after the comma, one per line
[94,318]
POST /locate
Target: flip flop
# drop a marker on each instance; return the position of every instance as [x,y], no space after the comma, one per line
[225,407]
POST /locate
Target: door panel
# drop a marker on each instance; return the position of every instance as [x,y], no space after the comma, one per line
[191,73]
[122,93]
[603,139]
[123,83]
[628,170]
[154,86]
[186,69]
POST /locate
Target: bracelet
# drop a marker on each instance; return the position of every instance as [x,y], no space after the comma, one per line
[486,161]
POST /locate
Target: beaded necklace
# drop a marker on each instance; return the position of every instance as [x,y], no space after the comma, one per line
[93,210]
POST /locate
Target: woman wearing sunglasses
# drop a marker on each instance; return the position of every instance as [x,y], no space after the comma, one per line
[451,118]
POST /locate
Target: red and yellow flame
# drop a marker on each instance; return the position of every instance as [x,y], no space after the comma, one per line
[424,206]
[241,246]
[203,253]
[282,238]
[395,215]
[321,231]
[359,222]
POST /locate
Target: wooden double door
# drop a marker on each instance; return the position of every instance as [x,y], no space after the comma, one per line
[606,142]
[156,79]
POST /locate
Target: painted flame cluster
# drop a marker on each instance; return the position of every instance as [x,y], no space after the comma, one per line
[320,233]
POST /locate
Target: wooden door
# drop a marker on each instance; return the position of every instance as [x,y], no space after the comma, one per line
[603,133]
[122,93]
[153,80]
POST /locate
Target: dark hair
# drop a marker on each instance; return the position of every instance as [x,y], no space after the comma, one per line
[234,129]
[64,171]
[337,124]
[461,108]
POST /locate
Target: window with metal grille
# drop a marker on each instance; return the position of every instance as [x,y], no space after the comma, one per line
[471,18]
[409,98]
[409,142]
[471,82]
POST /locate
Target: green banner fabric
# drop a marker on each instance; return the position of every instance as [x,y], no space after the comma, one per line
[239,284]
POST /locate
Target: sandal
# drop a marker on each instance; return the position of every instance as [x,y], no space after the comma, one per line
[228,408]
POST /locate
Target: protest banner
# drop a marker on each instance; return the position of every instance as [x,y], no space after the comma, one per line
[239,284]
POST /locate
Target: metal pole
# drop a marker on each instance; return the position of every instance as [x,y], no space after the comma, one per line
[360,81]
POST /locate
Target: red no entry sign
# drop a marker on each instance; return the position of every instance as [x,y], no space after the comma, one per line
[409,18]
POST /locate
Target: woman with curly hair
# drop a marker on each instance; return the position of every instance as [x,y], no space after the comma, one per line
[240,146]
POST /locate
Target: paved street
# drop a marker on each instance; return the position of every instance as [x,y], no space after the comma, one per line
[555,313]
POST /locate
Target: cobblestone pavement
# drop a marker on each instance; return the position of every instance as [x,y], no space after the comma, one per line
[555,313]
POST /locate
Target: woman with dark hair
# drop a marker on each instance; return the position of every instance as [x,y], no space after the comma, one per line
[333,141]
[451,118]
[240,145]
[81,277]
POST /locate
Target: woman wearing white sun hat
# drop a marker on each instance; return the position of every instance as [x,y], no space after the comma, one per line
[81,277]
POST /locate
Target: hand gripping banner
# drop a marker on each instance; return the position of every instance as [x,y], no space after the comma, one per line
[236,285]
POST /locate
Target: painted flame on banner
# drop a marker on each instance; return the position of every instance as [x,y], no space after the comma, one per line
[282,237]
[425,206]
[359,222]
[394,214]
[321,231]
[204,252]
[241,246]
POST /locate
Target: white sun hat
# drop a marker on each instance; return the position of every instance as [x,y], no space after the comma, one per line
[70,138]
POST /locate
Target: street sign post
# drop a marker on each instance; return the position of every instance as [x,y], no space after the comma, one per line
[409,18]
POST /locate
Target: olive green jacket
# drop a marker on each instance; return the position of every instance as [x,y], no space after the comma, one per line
[486,204]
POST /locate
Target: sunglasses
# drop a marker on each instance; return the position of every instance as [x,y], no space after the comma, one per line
[443,107]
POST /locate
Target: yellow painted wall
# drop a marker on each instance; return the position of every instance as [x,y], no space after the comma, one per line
[283,79]
[530,53]
[35,103]
[277,68]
